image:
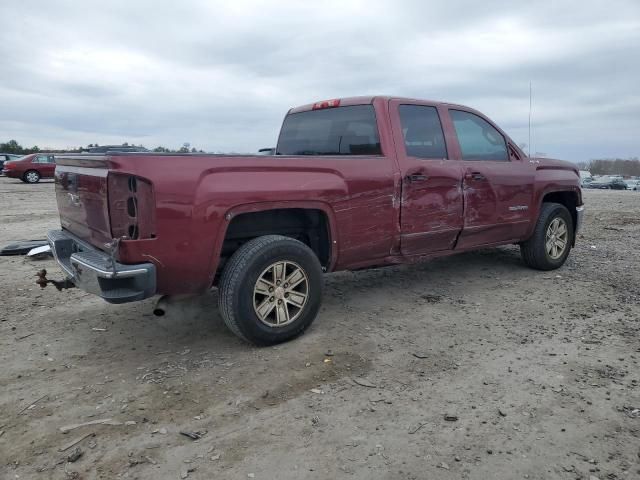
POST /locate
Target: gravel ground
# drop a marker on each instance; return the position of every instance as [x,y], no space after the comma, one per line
[466,367]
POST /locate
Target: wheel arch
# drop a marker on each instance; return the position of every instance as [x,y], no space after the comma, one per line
[309,221]
[570,199]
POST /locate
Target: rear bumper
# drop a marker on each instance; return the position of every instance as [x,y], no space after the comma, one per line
[579,218]
[94,271]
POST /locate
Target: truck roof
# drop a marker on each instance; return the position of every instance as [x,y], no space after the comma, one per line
[368,99]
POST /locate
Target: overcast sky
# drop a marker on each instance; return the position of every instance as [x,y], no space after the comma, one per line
[221,75]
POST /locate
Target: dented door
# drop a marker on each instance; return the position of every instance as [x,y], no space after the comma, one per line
[431,214]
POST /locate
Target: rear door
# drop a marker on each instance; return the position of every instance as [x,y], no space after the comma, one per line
[431,214]
[498,183]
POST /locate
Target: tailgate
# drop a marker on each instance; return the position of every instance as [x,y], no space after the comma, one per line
[81,193]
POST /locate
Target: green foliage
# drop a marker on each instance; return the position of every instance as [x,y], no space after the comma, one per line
[14,147]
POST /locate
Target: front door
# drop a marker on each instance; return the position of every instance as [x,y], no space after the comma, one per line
[498,184]
[431,213]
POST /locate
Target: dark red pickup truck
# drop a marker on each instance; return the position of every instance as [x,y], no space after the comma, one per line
[354,183]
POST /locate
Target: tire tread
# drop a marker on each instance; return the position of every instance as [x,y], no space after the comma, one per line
[532,254]
[236,265]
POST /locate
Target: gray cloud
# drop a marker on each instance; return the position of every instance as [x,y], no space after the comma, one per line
[221,75]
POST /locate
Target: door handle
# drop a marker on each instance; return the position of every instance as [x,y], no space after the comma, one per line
[416,177]
[476,176]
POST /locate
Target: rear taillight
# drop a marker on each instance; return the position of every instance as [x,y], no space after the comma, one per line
[131,207]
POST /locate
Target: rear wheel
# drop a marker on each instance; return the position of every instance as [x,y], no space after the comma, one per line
[270,290]
[550,244]
[31,176]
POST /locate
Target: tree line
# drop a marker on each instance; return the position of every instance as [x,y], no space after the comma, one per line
[12,146]
[628,167]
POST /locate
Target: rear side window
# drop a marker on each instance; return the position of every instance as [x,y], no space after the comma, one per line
[422,132]
[331,131]
[478,139]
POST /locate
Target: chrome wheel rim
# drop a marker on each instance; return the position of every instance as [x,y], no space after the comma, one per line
[557,238]
[280,293]
[32,177]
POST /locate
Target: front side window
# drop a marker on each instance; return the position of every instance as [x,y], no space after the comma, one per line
[422,132]
[42,159]
[478,139]
[332,131]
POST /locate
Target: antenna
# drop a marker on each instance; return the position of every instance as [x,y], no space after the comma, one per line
[529,145]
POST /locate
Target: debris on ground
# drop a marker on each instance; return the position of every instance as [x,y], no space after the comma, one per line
[104,421]
[76,441]
[193,435]
[75,455]
[22,247]
[40,253]
[363,382]
[450,417]
[417,427]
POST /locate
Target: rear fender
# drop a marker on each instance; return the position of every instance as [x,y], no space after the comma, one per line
[266,206]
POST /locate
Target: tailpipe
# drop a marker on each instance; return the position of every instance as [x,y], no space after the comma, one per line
[161,305]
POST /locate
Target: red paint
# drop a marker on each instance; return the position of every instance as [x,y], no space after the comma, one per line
[17,168]
[376,215]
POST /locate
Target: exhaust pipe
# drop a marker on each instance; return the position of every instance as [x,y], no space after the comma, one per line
[161,306]
[163,303]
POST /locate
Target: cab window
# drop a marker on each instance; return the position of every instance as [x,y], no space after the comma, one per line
[478,139]
[422,132]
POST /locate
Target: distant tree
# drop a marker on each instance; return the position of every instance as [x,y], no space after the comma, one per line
[11,147]
[193,150]
[125,144]
[615,166]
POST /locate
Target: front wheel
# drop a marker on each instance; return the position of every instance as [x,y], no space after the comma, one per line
[550,244]
[31,176]
[270,290]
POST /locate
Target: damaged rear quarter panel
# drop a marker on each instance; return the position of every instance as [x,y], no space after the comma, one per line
[356,193]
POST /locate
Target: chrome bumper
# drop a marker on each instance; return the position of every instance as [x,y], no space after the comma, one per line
[94,271]
[579,218]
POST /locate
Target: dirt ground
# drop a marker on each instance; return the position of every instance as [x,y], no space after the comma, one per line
[465,367]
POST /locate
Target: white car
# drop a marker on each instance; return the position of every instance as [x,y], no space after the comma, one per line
[633,185]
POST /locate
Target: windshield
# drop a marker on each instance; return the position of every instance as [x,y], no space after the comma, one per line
[331,131]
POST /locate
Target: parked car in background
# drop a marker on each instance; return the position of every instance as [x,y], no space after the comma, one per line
[31,168]
[585,178]
[7,157]
[586,182]
[608,182]
[633,185]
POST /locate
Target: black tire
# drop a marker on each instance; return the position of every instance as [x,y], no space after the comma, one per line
[239,277]
[534,252]
[31,176]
